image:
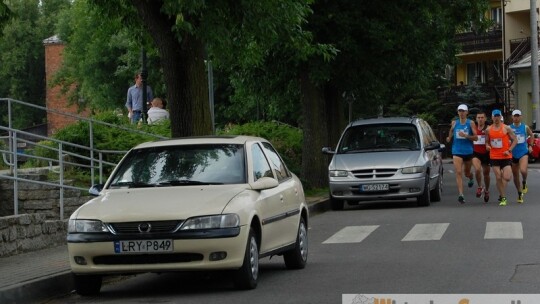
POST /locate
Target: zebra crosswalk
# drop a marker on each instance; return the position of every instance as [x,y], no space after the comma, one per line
[426,232]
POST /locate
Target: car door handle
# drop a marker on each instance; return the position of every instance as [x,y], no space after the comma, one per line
[281,197]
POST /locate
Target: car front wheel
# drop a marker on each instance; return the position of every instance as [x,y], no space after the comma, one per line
[246,276]
[296,258]
[424,199]
[336,204]
[87,285]
[437,192]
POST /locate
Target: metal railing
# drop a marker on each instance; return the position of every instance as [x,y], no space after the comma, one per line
[61,155]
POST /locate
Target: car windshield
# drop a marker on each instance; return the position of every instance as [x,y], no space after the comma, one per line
[379,137]
[182,165]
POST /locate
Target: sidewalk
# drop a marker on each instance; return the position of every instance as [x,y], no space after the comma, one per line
[37,276]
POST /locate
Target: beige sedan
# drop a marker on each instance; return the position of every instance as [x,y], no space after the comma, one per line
[206,203]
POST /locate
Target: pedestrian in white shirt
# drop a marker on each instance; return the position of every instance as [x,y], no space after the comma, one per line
[156,112]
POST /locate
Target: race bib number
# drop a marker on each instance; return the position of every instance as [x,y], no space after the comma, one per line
[497,143]
[520,138]
[459,132]
[481,140]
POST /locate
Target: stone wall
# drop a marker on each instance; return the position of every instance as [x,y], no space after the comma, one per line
[30,232]
[38,198]
[37,224]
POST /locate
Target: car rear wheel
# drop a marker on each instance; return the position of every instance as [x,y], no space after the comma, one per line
[296,258]
[246,276]
[87,285]
[437,192]
[424,199]
[336,204]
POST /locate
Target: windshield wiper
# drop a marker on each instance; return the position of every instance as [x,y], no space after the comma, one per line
[132,184]
[186,182]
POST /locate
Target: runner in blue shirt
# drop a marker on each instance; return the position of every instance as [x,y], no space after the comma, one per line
[463,130]
[520,154]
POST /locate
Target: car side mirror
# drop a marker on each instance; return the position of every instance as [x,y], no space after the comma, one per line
[328,150]
[434,145]
[264,183]
[96,189]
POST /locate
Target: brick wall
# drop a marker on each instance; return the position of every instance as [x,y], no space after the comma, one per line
[55,99]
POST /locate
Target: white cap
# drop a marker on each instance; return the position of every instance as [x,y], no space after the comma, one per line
[516,112]
[463,107]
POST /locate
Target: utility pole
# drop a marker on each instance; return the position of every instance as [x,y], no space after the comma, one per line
[144,77]
[534,64]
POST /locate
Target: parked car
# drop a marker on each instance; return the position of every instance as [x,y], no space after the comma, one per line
[535,153]
[386,158]
[205,203]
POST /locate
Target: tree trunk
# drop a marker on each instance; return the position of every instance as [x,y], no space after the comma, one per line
[335,115]
[182,62]
[314,163]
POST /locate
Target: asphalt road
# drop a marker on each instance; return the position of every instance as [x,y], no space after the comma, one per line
[383,248]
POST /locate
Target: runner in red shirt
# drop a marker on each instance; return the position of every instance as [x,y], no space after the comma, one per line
[480,159]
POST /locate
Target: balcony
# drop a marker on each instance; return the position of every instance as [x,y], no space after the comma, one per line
[471,42]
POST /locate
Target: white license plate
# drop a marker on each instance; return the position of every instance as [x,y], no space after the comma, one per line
[374,187]
[142,246]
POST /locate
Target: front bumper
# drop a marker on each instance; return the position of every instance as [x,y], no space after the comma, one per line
[188,254]
[398,189]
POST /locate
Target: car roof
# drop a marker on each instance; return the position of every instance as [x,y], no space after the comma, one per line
[382,120]
[211,139]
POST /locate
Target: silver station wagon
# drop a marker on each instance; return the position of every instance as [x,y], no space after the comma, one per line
[204,203]
[386,158]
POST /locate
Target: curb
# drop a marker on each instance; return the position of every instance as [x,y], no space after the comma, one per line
[38,290]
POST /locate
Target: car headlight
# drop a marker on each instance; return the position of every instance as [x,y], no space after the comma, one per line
[96,226]
[411,170]
[212,222]
[338,173]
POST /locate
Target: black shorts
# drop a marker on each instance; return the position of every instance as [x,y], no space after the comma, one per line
[501,162]
[464,157]
[483,157]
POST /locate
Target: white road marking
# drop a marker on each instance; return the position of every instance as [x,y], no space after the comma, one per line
[504,230]
[351,234]
[426,232]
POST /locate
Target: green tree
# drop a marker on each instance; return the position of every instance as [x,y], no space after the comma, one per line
[188,32]
[101,58]
[22,56]
[389,56]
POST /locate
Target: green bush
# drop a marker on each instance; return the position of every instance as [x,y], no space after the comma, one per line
[105,138]
[286,139]
[3,147]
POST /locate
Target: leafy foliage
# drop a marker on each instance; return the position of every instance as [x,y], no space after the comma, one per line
[106,138]
[21,52]
[110,55]
[287,140]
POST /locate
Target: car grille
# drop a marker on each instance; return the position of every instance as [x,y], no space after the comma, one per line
[155,227]
[147,258]
[374,173]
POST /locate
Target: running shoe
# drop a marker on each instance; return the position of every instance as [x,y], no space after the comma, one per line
[479,191]
[503,201]
[525,189]
[486,196]
[520,198]
[471,181]
[461,199]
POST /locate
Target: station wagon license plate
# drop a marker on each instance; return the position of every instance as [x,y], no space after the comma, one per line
[143,246]
[374,187]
